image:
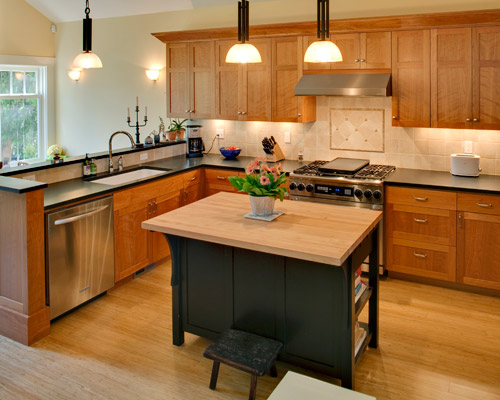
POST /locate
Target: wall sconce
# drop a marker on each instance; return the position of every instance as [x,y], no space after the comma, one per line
[153,74]
[74,74]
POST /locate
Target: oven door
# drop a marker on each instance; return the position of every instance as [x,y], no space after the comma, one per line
[377,207]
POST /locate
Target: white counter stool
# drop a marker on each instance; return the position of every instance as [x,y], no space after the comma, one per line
[295,386]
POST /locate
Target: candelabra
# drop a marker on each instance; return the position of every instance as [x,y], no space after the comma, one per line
[137,125]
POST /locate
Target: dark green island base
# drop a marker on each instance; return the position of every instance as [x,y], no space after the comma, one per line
[307,306]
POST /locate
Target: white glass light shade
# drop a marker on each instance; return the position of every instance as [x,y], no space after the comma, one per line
[322,51]
[243,53]
[87,60]
[74,74]
[153,74]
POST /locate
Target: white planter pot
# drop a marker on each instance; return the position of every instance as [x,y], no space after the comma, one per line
[262,206]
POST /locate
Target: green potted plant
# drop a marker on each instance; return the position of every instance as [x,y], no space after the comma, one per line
[263,184]
[177,126]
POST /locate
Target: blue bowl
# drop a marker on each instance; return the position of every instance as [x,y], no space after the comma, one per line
[230,154]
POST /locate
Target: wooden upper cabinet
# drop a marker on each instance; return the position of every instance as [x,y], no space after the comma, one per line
[411,89]
[451,78]
[190,79]
[243,91]
[359,51]
[287,70]
[486,77]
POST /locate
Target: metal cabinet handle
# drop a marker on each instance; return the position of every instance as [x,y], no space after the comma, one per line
[221,178]
[192,179]
[459,220]
[155,207]
[239,112]
[356,60]
[421,221]
[243,113]
[394,117]
[79,217]
[299,115]
[149,208]
[475,120]
[420,255]
[420,198]
[363,60]
[186,111]
[186,193]
[468,120]
[485,205]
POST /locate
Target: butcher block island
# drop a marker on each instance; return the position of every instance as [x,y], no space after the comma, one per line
[291,279]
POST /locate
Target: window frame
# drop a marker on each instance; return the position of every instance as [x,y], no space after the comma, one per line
[41,95]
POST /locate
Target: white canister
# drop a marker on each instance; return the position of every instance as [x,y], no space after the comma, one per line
[465,164]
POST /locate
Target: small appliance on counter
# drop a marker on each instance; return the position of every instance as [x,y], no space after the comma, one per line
[465,164]
[195,146]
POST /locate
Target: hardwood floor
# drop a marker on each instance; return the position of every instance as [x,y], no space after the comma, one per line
[434,344]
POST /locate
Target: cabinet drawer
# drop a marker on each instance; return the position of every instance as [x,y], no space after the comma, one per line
[421,197]
[191,178]
[219,176]
[479,203]
[422,259]
[430,225]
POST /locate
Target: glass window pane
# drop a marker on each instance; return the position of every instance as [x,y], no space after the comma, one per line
[4,82]
[17,82]
[30,82]
[19,129]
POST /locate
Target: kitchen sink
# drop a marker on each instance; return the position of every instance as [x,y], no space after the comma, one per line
[138,174]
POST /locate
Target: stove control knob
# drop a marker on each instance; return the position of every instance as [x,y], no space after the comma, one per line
[358,193]
[368,194]
[377,194]
[309,188]
[301,187]
[293,186]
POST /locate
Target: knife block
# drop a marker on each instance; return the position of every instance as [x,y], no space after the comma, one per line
[277,154]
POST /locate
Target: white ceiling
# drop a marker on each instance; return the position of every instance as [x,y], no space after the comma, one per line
[73,10]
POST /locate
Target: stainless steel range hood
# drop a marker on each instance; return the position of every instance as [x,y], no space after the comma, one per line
[362,85]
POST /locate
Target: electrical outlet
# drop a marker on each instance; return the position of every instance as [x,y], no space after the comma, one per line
[468,146]
[144,156]
[288,138]
[220,133]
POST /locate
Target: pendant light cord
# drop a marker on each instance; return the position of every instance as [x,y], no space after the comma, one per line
[243,21]
[87,8]
[323,19]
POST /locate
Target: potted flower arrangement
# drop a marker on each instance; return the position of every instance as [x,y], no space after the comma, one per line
[263,184]
[176,129]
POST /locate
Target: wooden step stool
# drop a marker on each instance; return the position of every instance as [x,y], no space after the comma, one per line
[245,351]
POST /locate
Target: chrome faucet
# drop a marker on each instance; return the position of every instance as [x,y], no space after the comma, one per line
[110,147]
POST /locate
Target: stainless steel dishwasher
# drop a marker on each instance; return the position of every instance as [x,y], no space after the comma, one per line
[80,254]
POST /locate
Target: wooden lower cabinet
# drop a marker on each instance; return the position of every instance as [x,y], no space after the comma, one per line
[217,180]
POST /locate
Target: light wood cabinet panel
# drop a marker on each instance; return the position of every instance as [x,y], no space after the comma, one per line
[217,180]
[411,89]
[163,204]
[190,79]
[479,203]
[287,71]
[421,197]
[359,51]
[486,79]
[479,249]
[451,63]
[421,259]
[192,193]
[421,224]
[228,77]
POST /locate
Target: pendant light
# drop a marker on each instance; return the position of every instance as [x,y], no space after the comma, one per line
[87,59]
[323,50]
[242,52]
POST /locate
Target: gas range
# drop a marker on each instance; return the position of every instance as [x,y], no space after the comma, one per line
[342,181]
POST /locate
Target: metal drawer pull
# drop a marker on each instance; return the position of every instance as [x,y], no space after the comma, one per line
[420,255]
[420,198]
[192,179]
[79,217]
[422,221]
[221,178]
[485,205]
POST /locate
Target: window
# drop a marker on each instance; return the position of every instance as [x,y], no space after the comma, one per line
[22,113]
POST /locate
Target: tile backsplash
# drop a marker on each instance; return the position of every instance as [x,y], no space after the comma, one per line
[418,148]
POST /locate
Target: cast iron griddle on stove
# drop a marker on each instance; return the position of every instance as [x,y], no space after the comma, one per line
[343,166]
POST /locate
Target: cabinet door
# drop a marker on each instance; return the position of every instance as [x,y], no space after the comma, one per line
[479,247]
[159,245]
[287,70]
[411,78]
[201,79]
[131,241]
[217,180]
[227,83]
[177,80]
[256,92]
[348,44]
[375,50]
[191,194]
[486,77]
[451,86]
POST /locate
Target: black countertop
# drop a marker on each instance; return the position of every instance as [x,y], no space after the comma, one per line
[65,192]
[444,180]
[16,185]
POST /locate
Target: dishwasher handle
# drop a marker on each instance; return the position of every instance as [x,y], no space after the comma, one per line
[81,216]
